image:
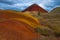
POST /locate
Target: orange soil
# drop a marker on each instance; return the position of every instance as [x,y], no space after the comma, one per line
[23,31]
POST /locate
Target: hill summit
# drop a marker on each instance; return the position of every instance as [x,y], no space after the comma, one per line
[35,7]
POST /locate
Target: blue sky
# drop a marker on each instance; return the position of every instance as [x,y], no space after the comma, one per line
[23,4]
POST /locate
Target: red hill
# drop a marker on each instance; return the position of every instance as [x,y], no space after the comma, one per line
[35,7]
[11,29]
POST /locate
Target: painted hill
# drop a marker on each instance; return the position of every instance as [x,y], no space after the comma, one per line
[22,26]
[16,26]
[35,7]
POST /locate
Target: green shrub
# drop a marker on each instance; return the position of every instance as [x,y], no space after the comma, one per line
[43,31]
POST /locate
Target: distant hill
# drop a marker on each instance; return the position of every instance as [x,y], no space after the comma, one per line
[56,10]
[35,7]
[55,13]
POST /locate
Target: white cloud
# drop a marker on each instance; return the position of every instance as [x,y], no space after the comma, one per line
[42,6]
[22,4]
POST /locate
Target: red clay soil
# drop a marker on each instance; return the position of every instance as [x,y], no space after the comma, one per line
[35,7]
[15,30]
[12,14]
